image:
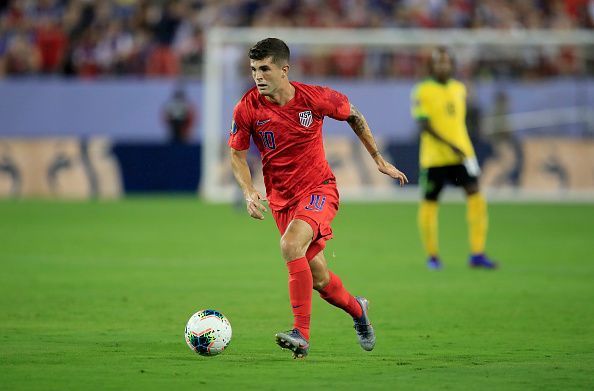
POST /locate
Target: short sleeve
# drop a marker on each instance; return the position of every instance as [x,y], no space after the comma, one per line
[333,104]
[239,134]
[418,103]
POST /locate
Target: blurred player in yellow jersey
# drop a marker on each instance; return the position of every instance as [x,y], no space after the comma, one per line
[447,156]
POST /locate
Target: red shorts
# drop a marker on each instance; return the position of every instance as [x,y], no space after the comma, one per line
[317,208]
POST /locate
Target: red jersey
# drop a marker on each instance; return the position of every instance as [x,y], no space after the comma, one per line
[289,138]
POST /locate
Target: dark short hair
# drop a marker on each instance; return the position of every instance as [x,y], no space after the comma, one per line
[436,54]
[271,47]
[440,51]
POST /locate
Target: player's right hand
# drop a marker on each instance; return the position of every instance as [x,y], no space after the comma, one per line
[254,205]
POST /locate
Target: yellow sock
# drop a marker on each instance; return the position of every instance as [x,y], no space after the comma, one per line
[477,222]
[428,226]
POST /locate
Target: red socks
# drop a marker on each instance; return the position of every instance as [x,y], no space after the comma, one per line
[300,288]
[335,294]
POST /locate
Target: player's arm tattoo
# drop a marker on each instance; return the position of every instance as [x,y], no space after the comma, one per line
[357,121]
[359,125]
[361,128]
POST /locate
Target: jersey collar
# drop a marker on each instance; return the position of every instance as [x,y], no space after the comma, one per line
[288,104]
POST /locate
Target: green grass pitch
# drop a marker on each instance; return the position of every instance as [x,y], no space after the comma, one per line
[95,295]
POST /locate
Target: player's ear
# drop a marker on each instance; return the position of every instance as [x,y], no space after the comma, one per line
[285,70]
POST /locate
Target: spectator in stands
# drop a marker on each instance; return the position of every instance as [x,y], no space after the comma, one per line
[165,37]
[163,61]
[22,57]
[51,41]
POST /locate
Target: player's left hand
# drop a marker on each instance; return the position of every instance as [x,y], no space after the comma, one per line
[388,169]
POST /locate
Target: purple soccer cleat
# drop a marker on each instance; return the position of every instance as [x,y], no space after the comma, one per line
[481,261]
[434,263]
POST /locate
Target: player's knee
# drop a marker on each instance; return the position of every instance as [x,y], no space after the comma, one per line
[433,194]
[471,189]
[291,248]
[431,197]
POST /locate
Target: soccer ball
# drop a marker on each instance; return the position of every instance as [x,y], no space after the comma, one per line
[208,332]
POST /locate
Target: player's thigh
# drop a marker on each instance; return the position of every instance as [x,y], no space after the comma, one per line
[432,180]
[472,187]
[319,271]
[460,177]
[296,239]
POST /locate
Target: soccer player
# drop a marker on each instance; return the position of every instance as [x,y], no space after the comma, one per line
[447,155]
[284,119]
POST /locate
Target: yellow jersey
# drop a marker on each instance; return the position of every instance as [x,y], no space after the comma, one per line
[444,106]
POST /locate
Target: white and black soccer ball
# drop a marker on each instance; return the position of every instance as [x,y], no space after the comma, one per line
[208,332]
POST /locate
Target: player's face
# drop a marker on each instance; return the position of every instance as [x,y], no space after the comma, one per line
[442,66]
[267,75]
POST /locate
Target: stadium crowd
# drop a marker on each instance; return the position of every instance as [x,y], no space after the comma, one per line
[94,38]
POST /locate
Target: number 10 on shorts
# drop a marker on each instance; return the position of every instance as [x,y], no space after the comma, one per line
[316,202]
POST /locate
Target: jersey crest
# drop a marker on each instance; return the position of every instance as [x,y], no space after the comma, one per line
[305,118]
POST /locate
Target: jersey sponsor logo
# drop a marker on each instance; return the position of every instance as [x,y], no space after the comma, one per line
[316,202]
[233,127]
[262,122]
[305,118]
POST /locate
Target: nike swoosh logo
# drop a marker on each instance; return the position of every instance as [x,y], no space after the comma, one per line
[260,123]
[297,306]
